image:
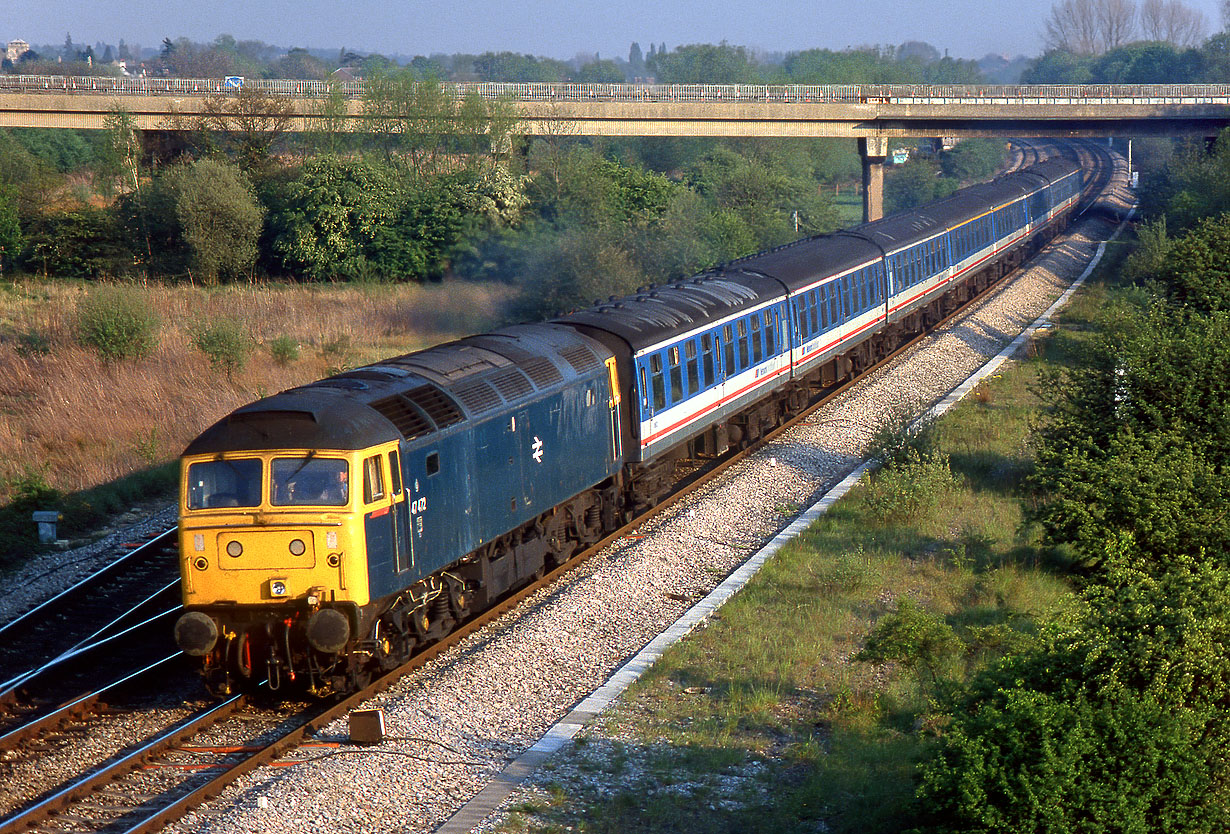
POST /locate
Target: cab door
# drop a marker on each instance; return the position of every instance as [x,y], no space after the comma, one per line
[403,546]
[378,519]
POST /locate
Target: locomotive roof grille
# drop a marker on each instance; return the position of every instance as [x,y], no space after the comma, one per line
[477,396]
[512,384]
[580,357]
[436,405]
[404,415]
[542,371]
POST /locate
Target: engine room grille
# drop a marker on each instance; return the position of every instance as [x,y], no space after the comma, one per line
[477,396]
[512,384]
[408,419]
[542,371]
[436,404]
[580,357]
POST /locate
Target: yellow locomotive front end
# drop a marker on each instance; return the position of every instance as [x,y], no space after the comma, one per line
[273,564]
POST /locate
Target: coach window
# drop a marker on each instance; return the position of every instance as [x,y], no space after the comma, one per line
[659,384]
[757,345]
[770,335]
[835,316]
[644,391]
[689,349]
[373,479]
[744,355]
[706,349]
[814,311]
[676,376]
[728,352]
[822,302]
[800,317]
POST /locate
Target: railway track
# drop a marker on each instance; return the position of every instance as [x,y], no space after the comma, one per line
[159,778]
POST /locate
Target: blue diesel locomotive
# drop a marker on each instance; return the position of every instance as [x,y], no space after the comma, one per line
[327,531]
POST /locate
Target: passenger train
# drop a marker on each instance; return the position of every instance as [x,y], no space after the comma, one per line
[327,531]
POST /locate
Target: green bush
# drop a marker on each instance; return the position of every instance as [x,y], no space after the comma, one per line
[227,344]
[117,324]
[910,488]
[284,350]
[29,492]
[33,343]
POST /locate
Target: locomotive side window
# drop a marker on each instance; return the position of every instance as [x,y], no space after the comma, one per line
[373,479]
[706,349]
[433,464]
[224,483]
[309,481]
[395,472]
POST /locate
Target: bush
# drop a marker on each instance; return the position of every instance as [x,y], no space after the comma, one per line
[29,492]
[284,350]
[910,488]
[117,324]
[226,343]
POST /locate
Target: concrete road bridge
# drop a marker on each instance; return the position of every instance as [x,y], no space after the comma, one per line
[874,114]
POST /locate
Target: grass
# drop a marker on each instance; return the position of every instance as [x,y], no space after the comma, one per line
[765,720]
[78,419]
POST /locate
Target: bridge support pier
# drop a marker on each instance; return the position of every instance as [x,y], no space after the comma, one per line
[874,151]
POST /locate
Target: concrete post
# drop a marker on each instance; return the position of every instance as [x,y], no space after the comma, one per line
[873,150]
[46,520]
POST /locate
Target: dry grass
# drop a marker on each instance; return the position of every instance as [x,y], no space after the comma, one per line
[83,421]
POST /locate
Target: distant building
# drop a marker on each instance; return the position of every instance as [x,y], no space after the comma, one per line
[15,50]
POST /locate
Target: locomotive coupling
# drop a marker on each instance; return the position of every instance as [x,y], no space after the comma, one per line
[196,633]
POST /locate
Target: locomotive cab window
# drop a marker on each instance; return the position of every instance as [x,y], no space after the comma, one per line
[224,483]
[309,481]
[373,479]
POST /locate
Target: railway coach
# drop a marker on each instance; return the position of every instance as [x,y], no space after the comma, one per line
[328,531]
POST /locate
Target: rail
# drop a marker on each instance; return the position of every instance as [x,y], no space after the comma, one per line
[709,93]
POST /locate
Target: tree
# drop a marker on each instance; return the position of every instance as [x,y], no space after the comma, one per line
[324,220]
[1090,27]
[220,217]
[10,228]
[250,121]
[1172,21]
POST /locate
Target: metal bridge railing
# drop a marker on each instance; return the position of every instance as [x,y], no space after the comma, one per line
[709,93]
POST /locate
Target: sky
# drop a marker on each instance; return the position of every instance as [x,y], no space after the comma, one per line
[552,28]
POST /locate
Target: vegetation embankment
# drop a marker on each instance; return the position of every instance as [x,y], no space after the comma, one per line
[1017,625]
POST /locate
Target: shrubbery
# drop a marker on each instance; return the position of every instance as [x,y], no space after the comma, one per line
[226,342]
[116,324]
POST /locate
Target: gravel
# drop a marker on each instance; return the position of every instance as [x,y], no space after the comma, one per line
[458,721]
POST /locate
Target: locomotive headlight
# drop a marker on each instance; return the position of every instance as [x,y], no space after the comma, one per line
[297,547]
[277,587]
[234,549]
